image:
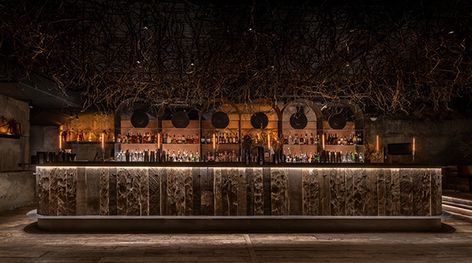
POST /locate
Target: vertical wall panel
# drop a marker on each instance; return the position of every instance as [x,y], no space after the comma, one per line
[371,198]
[294,191]
[311,192]
[250,191]
[154,185]
[43,191]
[382,197]
[197,194]
[104,192]
[360,192]
[350,207]
[112,193]
[258,191]
[81,198]
[337,186]
[122,181]
[436,193]
[406,192]
[144,192]
[207,189]
[421,193]
[279,191]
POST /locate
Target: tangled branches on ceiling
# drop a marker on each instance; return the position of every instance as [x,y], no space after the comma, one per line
[386,57]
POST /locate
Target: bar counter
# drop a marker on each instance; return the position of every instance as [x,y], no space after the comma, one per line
[227,196]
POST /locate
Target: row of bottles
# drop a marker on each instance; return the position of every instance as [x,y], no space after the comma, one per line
[180,139]
[352,139]
[325,157]
[131,137]
[301,139]
[224,156]
[230,138]
[149,137]
[221,138]
[156,156]
[227,156]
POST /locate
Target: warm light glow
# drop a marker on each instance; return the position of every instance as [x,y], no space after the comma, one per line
[414,146]
[159,141]
[214,142]
[102,137]
[323,141]
[60,140]
[377,143]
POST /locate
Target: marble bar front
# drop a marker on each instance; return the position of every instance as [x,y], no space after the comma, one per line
[200,197]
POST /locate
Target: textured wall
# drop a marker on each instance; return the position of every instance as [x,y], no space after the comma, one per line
[44,139]
[14,151]
[239,191]
[437,142]
[16,189]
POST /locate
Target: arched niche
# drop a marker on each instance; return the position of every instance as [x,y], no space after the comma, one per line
[177,138]
[228,137]
[330,108]
[298,139]
[124,111]
[343,127]
[248,113]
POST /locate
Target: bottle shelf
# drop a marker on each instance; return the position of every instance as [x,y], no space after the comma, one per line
[312,145]
[343,145]
[210,144]
[180,144]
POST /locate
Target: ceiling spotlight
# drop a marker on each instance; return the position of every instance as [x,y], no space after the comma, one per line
[451,32]
[191,64]
[137,61]
[373,118]
[145,28]
[250,29]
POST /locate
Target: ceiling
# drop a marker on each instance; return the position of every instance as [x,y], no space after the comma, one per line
[49,106]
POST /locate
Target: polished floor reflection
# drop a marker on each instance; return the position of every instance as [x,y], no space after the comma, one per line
[22,242]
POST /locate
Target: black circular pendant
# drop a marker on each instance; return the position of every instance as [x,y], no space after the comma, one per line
[259,120]
[298,120]
[139,119]
[220,120]
[337,121]
[180,119]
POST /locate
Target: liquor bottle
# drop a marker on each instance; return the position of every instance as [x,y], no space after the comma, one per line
[301,140]
[312,139]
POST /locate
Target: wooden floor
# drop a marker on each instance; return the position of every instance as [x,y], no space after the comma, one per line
[22,242]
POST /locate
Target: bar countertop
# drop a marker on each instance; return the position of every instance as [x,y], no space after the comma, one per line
[237,165]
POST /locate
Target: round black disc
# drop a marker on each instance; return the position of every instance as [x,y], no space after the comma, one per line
[259,120]
[337,121]
[139,119]
[298,120]
[180,119]
[220,120]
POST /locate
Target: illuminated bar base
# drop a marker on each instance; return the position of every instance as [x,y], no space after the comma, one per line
[198,197]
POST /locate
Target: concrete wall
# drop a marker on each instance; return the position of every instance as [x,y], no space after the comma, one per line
[44,139]
[16,189]
[437,142]
[14,151]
